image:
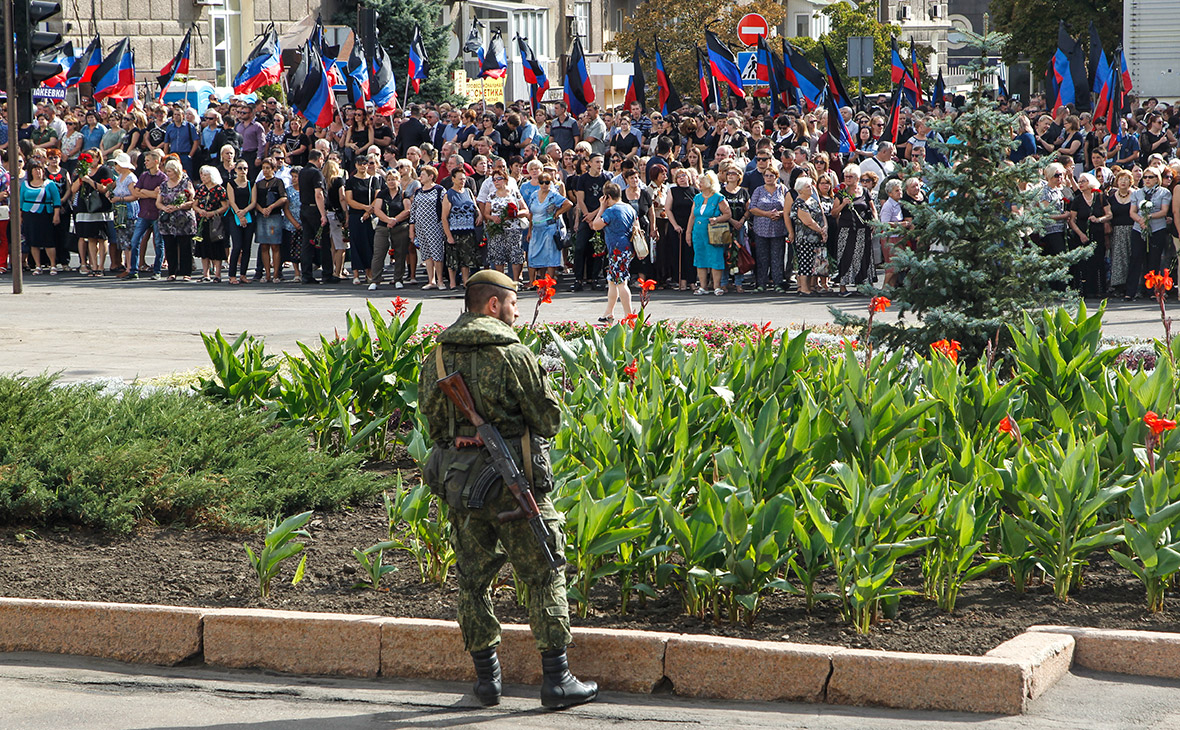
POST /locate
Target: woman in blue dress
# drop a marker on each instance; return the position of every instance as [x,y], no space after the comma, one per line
[547,206]
[708,206]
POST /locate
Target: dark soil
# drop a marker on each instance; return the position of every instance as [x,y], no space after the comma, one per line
[190,568]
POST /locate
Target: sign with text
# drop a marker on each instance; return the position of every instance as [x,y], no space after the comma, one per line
[489,90]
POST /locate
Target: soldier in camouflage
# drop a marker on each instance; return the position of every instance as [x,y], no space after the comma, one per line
[512,392]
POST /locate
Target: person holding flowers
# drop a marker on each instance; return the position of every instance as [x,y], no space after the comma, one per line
[126,212]
[506,215]
[93,210]
[616,218]
[1149,208]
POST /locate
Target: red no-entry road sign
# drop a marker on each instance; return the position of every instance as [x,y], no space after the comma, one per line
[750,27]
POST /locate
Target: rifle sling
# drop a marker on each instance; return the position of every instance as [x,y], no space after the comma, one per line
[526,445]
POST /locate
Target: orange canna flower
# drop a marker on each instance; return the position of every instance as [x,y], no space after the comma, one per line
[545,282]
[546,294]
[1156,281]
[1006,425]
[630,320]
[1156,424]
[879,304]
[632,370]
[647,284]
[949,348]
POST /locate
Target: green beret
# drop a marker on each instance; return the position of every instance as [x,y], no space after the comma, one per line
[493,277]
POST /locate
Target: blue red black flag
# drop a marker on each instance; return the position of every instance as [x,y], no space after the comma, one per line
[577,90]
[893,123]
[915,71]
[419,64]
[64,58]
[115,76]
[263,66]
[83,68]
[938,96]
[902,75]
[1097,59]
[178,66]
[773,79]
[668,99]
[493,62]
[382,85]
[786,90]
[637,84]
[534,72]
[835,86]
[837,130]
[723,64]
[809,83]
[357,72]
[1063,77]
[313,98]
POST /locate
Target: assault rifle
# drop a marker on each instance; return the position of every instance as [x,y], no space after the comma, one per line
[489,437]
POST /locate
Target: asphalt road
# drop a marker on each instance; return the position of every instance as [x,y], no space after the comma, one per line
[105,328]
[51,692]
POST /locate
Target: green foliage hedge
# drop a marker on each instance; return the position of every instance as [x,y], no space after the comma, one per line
[75,455]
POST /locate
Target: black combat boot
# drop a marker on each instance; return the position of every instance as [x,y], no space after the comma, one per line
[559,688]
[487,677]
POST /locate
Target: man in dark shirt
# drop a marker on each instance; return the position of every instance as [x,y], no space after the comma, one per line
[509,144]
[663,152]
[413,132]
[313,220]
[588,192]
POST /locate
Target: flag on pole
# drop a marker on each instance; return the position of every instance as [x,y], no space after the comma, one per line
[178,66]
[263,66]
[902,75]
[1063,77]
[766,62]
[493,62]
[636,85]
[313,98]
[669,100]
[577,90]
[916,72]
[419,63]
[710,94]
[835,87]
[534,72]
[837,130]
[382,84]
[115,76]
[1097,58]
[64,58]
[778,71]
[893,123]
[474,43]
[938,96]
[357,82]
[83,68]
[723,64]
[806,79]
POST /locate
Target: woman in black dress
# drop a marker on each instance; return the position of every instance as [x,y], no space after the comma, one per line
[1122,234]
[853,210]
[1091,211]
[679,211]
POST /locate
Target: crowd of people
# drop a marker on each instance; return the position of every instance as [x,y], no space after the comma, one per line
[697,200]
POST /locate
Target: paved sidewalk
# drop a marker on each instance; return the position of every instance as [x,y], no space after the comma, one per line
[106,328]
[53,692]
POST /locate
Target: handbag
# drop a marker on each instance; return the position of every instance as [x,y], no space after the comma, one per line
[638,240]
[93,203]
[720,234]
[745,261]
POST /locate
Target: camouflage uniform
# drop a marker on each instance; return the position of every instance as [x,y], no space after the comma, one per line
[511,392]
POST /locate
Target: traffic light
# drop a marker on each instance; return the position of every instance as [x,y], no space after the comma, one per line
[31,43]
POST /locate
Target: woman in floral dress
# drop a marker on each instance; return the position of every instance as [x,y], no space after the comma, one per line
[212,202]
[175,199]
[507,215]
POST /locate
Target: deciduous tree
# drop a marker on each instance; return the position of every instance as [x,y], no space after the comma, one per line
[1031,26]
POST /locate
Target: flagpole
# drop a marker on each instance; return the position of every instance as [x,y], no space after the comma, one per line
[406,95]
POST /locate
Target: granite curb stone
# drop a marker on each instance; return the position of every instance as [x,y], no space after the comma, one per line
[137,633]
[740,669]
[1142,653]
[294,642]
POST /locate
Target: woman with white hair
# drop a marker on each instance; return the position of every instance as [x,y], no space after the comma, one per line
[811,231]
[892,215]
[1091,211]
[708,208]
[213,238]
[1053,200]
[1150,229]
[175,199]
[853,210]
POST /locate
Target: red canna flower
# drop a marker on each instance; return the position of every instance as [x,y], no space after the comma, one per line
[630,320]
[546,295]
[647,284]
[1156,424]
[399,307]
[948,348]
[1006,425]
[632,370]
[764,330]
[879,304]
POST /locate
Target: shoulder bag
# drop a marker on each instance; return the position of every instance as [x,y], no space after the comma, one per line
[638,240]
[720,234]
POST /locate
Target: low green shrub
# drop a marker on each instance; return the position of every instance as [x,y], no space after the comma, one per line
[74,455]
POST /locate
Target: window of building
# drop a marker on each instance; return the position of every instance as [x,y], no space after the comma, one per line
[802,25]
[582,13]
[225,33]
[618,20]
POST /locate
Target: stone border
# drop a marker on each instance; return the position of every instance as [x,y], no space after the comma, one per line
[1002,681]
